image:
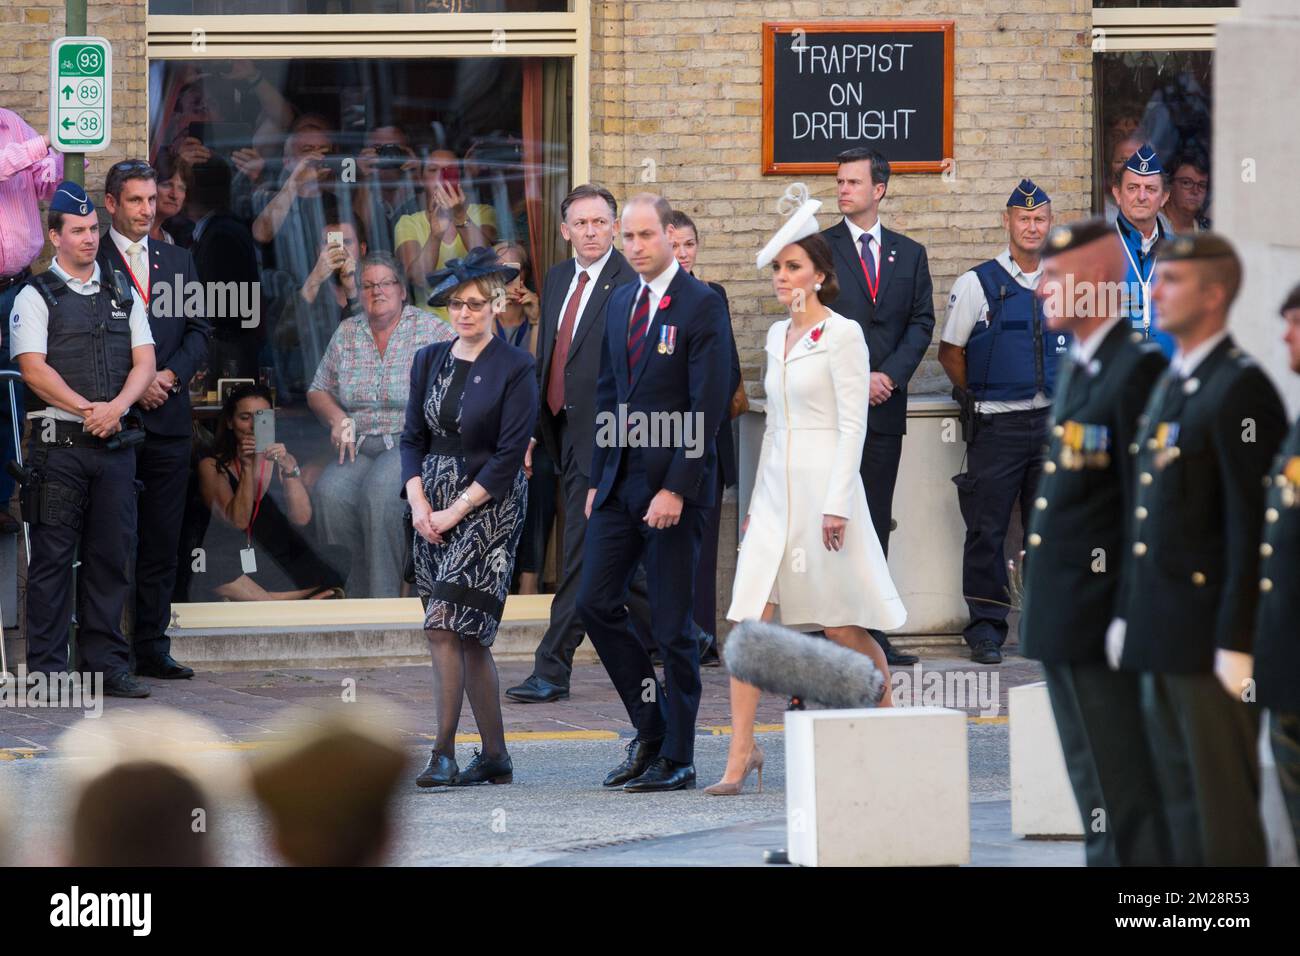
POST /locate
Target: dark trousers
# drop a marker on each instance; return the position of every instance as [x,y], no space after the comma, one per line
[1110,766]
[1003,463]
[706,571]
[162,466]
[880,456]
[1205,745]
[617,540]
[553,660]
[1284,735]
[6,415]
[106,479]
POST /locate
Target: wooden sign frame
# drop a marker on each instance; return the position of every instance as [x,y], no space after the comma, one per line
[770,31]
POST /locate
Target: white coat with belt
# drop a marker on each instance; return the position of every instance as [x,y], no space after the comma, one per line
[817,401]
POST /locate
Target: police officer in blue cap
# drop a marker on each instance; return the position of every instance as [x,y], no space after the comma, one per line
[1141,193]
[83,345]
[1001,359]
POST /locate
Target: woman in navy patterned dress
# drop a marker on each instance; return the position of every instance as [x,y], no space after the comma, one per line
[470,414]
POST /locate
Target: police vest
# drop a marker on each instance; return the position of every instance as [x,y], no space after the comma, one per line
[1013,356]
[88,339]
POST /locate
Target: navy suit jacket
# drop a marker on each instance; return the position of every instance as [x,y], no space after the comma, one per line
[692,381]
[180,340]
[497,415]
[727,460]
[898,325]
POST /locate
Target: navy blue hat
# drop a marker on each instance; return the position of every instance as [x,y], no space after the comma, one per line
[1027,196]
[70,197]
[1145,162]
[479,262]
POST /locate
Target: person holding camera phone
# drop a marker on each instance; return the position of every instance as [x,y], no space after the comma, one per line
[446,228]
[389,168]
[254,548]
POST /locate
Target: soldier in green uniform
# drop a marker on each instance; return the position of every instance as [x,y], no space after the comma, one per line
[1075,549]
[1277,629]
[1191,584]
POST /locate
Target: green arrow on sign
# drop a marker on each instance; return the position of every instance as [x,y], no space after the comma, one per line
[66,122]
[66,91]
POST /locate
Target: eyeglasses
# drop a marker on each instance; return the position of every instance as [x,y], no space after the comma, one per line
[1192,185]
[474,305]
[384,286]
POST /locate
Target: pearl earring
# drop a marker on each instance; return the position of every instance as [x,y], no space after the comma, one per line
[817,286]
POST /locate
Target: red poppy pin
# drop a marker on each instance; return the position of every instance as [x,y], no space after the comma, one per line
[665,302]
[816,333]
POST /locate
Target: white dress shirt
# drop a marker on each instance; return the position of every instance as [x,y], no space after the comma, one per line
[1185,364]
[593,273]
[1083,350]
[658,287]
[856,232]
[123,243]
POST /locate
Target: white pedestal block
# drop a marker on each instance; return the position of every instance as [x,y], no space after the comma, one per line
[877,787]
[1042,800]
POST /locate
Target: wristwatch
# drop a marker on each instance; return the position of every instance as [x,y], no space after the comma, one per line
[296,473]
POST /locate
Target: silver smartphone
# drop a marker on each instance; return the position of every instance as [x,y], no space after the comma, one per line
[263,429]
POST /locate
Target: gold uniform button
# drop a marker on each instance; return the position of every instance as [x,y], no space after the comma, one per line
[1266,550]
[1133,448]
[1280,481]
[1152,444]
[1145,478]
[1035,540]
[1041,504]
[1058,430]
[1270,515]
[1049,467]
[1139,549]
[1198,579]
[1265,585]
[1141,513]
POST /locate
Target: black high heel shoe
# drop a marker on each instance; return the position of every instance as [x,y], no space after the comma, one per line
[440,771]
[486,770]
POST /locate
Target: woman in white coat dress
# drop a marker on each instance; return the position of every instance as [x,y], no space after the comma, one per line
[809,555]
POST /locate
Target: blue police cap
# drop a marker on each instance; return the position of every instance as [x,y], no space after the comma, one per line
[1027,196]
[1145,162]
[71,198]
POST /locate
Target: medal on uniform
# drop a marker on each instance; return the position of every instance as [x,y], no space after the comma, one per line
[667,339]
[1290,482]
[1166,444]
[1072,446]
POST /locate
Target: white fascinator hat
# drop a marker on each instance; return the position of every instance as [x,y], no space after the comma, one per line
[801,221]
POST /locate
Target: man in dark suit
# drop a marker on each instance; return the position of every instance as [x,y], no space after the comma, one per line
[569,340]
[164,277]
[1084,501]
[885,287]
[1277,631]
[661,395]
[1191,585]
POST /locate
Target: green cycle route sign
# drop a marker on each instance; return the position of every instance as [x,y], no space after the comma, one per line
[81,94]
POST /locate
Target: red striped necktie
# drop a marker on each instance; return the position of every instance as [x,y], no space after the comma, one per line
[636,330]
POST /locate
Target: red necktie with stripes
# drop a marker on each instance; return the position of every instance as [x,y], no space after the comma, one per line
[636,330]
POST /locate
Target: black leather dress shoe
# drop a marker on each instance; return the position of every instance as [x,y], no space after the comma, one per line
[663,774]
[124,685]
[536,690]
[486,770]
[986,652]
[440,771]
[893,656]
[639,754]
[165,668]
[708,649]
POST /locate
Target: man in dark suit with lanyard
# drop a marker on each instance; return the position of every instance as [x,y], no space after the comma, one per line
[666,360]
[161,275]
[1075,557]
[568,349]
[885,287]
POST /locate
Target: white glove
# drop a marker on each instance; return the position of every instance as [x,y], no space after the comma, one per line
[1115,642]
[1234,670]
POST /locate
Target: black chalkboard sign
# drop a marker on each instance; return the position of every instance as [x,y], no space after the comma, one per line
[830,86]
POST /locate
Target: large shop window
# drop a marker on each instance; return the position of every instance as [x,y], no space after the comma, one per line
[1164,98]
[209,8]
[282,176]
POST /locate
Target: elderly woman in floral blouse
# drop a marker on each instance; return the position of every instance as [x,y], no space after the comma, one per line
[360,393]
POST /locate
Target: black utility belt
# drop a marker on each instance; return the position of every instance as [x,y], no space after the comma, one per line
[73,435]
[9,281]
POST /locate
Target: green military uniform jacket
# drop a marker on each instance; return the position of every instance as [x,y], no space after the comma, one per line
[1277,628]
[1191,580]
[1075,549]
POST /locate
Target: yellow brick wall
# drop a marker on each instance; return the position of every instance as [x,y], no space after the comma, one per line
[679,84]
[26,32]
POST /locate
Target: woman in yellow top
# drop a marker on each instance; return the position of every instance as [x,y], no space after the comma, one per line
[445,229]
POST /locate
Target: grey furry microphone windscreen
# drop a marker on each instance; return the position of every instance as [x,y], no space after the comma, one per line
[785,662]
